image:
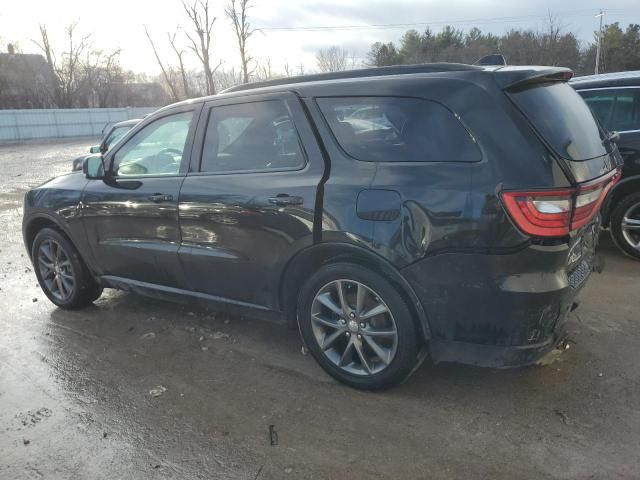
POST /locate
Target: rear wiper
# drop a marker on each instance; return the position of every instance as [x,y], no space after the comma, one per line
[612,137]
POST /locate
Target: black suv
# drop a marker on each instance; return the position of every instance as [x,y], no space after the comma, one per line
[444,210]
[614,99]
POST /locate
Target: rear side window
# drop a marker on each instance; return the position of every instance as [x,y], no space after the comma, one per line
[397,129]
[258,136]
[617,109]
[563,119]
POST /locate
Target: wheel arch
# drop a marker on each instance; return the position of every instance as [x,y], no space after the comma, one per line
[625,187]
[37,222]
[311,258]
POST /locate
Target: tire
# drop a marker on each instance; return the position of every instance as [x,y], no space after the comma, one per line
[324,323]
[626,239]
[61,273]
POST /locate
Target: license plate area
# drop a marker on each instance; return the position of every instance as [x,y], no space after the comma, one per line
[580,260]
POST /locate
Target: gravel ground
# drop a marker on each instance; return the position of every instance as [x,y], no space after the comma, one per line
[78,389]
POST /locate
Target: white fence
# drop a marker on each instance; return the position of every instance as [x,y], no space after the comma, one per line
[70,122]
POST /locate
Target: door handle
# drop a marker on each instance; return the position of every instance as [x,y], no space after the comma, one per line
[286,200]
[160,197]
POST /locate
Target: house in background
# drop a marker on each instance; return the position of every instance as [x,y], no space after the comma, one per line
[26,81]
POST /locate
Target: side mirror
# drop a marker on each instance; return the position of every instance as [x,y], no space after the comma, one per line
[95,149]
[93,167]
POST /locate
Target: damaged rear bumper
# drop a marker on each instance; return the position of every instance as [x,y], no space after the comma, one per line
[493,310]
[492,356]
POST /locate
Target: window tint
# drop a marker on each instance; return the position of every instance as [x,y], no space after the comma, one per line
[563,119]
[258,136]
[601,104]
[617,110]
[626,111]
[393,129]
[157,149]
[115,136]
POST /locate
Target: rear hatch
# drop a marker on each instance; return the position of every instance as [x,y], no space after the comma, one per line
[565,124]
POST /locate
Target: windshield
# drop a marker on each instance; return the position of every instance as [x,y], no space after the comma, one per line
[563,119]
[115,136]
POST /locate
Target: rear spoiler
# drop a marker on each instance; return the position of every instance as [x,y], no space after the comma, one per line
[517,78]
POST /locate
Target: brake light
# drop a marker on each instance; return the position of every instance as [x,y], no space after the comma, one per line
[555,213]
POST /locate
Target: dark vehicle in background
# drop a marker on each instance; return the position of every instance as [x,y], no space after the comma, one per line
[110,137]
[390,214]
[614,98]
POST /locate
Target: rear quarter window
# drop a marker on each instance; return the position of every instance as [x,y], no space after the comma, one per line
[398,129]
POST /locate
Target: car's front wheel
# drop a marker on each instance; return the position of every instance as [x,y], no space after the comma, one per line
[61,273]
[625,225]
[357,326]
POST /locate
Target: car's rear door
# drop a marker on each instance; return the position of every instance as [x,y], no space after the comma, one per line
[248,203]
[131,218]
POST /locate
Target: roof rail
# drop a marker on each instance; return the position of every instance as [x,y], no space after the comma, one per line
[361,73]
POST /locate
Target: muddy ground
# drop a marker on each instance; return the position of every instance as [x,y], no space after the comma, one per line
[75,398]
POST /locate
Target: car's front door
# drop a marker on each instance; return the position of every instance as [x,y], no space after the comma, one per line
[131,218]
[248,204]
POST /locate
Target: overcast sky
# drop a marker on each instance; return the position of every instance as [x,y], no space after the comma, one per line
[120,23]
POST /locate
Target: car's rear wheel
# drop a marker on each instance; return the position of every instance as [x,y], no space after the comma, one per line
[625,225]
[61,273]
[357,326]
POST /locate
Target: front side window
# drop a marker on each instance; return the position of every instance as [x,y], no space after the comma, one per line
[396,129]
[258,136]
[157,149]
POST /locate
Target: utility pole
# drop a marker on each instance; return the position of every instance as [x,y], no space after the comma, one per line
[601,14]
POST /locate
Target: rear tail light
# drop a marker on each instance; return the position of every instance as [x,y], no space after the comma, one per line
[555,213]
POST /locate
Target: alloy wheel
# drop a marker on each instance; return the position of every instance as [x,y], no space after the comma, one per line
[55,270]
[631,226]
[353,327]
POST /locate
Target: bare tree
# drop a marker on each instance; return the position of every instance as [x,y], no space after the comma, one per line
[236,12]
[198,13]
[332,59]
[45,46]
[100,72]
[183,73]
[228,78]
[68,70]
[69,73]
[287,70]
[165,73]
[265,72]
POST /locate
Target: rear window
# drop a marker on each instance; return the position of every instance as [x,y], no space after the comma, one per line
[396,129]
[563,119]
